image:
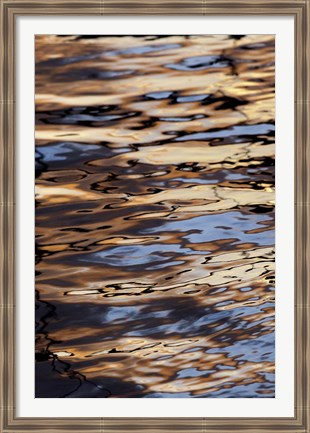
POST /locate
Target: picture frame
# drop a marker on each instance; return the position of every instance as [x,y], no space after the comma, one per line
[10,10]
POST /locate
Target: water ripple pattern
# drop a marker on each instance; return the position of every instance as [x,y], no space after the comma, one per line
[155,216]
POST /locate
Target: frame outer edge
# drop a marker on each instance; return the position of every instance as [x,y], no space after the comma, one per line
[9,423]
[302,208]
[6,218]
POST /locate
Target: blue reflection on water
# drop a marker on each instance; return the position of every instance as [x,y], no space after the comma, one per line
[253,350]
[132,255]
[240,130]
[193,372]
[144,49]
[59,151]
[159,95]
[199,63]
[131,313]
[229,225]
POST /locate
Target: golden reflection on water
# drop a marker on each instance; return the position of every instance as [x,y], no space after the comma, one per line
[155,216]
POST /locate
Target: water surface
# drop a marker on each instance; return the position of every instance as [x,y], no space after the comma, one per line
[155,216]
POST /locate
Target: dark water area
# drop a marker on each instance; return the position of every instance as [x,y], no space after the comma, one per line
[155,216]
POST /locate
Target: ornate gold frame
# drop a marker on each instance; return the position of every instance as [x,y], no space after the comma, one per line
[299,9]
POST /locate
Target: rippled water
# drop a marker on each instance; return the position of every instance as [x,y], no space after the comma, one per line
[155,216]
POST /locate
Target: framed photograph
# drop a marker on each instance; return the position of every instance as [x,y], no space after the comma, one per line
[154,216]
